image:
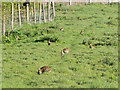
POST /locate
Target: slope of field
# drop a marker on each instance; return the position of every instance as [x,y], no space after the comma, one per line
[82,67]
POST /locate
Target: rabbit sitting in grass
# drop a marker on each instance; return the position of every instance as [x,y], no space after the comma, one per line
[62,29]
[65,50]
[82,31]
[49,43]
[91,45]
[43,69]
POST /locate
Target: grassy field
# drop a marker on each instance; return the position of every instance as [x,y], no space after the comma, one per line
[82,67]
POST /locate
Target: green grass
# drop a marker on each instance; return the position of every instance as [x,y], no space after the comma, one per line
[82,67]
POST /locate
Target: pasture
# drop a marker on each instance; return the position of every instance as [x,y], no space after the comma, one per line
[82,67]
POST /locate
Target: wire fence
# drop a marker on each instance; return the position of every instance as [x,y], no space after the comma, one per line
[17,14]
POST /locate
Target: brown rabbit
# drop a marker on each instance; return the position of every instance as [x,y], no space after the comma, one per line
[43,69]
[66,50]
[49,43]
[79,18]
[82,31]
[91,45]
[16,38]
[62,29]
[73,10]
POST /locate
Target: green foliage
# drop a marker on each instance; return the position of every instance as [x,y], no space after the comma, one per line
[26,32]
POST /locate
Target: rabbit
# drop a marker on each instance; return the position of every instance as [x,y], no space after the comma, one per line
[16,38]
[49,43]
[43,69]
[62,29]
[91,45]
[79,18]
[73,10]
[82,31]
[66,50]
